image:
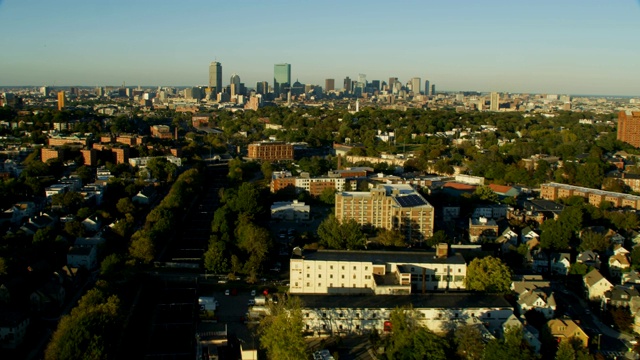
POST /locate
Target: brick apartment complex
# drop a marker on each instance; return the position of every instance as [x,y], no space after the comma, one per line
[270,151]
[555,191]
[46,154]
[629,127]
[161,131]
[394,207]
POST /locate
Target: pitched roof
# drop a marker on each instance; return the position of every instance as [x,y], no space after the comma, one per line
[593,277]
[564,328]
[500,189]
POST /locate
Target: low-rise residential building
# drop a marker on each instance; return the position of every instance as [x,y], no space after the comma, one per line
[482,229]
[596,285]
[556,263]
[566,329]
[589,258]
[534,294]
[270,151]
[376,272]
[618,264]
[621,295]
[339,314]
[13,328]
[555,191]
[290,210]
[86,257]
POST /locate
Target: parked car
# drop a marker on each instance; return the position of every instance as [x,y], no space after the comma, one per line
[253,293]
[227,292]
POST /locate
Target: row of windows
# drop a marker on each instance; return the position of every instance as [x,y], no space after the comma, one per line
[331,267]
[342,276]
[373,315]
[331,285]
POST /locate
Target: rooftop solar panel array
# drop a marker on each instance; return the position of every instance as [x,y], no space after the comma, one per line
[410,201]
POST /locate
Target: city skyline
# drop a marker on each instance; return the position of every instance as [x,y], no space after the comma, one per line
[544,47]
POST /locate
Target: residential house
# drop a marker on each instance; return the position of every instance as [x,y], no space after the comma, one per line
[530,237]
[529,333]
[93,223]
[145,196]
[38,222]
[482,228]
[596,285]
[589,258]
[618,264]
[508,240]
[534,294]
[621,295]
[557,263]
[630,278]
[13,328]
[86,257]
[21,210]
[565,329]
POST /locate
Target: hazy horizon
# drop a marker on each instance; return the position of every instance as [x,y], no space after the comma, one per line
[572,47]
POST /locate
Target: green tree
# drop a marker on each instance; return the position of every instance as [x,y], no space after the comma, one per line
[142,247]
[578,268]
[409,340]
[485,194]
[469,343]
[488,274]
[4,267]
[267,170]
[511,346]
[90,331]
[388,237]
[591,240]
[328,196]
[335,235]
[111,265]
[215,260]
[438,237]
[554,235]
[125,206]
[281,331]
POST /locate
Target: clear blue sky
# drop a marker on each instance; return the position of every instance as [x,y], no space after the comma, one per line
[560,46]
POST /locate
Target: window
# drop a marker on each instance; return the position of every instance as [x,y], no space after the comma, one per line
[319,267]
[459,270]
[319,276]
[357,327]
[340,327]
[331,267]
[342,284]
[342,267]
[354,268]
[343,276]
[341,314]
[358,315]
[324,315]
[331,276]
[488,315]
[331,285]
[307,314]
[366,268]
[308,275]
[319,284]
[354,276]
[307,327]
[308,284]
[324,326]
[295,284]
[354,285]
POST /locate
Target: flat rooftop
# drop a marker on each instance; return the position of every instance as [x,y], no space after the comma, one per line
[383,257]
[427,301]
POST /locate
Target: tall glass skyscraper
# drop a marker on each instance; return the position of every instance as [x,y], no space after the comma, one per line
[215,77]
[281,78]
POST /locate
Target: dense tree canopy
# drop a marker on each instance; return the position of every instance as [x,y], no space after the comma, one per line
[488,274]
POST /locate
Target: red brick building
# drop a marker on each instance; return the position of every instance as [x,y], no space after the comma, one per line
[629,127]
[270,151]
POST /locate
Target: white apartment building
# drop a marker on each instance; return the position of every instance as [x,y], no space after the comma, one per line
[331,314]
[376,272]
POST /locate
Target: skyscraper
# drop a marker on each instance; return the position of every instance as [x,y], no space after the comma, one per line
[629,127]
[494,104]
[347,85]
[392,80]
[427,89]
[415,85]
[215,77]
[329,84]
[60,100]
[281,78]
[433,89]
[234,83]
[262,87]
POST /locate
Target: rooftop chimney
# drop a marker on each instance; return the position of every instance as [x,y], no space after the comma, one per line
[442,250]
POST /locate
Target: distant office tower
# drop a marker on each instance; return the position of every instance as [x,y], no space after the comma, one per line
[433,89]
[362,80]
[392,81]
[45,90]
[629,127]
[262,87]
[60,100]
[281,78]
[494,104]
[329,84]
[234,83]
[427,89]
[215,77]
[347,84]
[415,85]
[375,85]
